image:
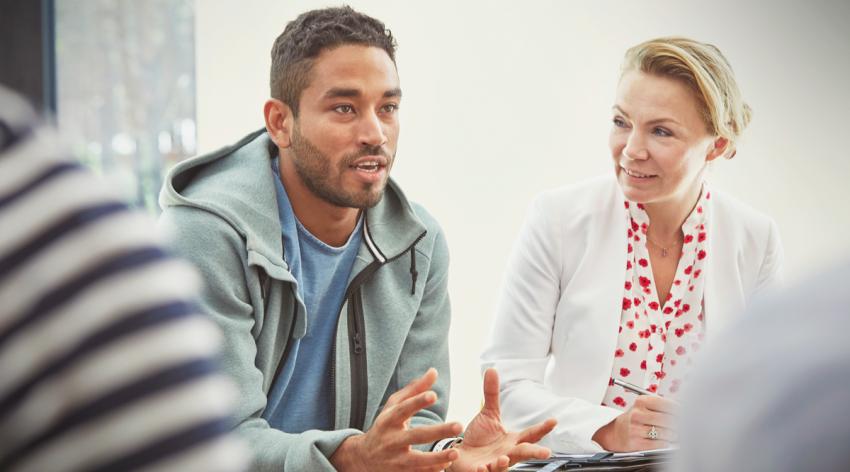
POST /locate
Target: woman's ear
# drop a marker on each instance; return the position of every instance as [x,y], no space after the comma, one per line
[720,146]
[279,122]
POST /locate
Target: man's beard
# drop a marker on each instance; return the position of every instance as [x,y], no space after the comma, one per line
[315,170]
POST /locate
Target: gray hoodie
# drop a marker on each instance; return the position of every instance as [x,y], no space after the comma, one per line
[220,212]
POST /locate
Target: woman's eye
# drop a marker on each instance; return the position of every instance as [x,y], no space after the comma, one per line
[661,132]
[619,122]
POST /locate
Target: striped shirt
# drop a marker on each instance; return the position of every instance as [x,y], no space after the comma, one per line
[105,362]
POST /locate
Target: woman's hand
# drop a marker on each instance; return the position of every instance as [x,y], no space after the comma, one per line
[631,430]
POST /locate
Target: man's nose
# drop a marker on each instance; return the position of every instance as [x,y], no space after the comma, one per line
[371,131]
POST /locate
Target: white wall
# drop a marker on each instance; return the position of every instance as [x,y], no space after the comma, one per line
[504,98]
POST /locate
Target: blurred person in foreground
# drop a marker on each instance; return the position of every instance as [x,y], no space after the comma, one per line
[622,277]
[329,284]
[772,393]
[107,363]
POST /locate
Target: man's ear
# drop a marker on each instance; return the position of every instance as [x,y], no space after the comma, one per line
[279,122]
[720,146]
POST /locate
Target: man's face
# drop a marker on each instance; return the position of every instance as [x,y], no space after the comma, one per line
[345,136]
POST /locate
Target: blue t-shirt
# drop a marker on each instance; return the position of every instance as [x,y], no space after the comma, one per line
[300,398]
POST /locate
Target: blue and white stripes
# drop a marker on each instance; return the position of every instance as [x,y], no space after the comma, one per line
[105,361]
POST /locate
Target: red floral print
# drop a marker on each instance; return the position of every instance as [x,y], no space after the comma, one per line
[645,354]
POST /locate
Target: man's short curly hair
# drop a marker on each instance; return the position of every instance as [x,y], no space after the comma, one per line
[312,32]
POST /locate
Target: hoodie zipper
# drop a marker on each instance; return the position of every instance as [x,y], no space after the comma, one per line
[359,367]
[357,342]
[357,349]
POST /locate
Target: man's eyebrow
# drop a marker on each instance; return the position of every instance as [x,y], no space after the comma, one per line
[338,92]
[341,92]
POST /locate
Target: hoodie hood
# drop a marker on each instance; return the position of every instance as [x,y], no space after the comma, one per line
[237,184]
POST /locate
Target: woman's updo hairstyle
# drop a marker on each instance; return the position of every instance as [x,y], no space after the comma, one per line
[703,69]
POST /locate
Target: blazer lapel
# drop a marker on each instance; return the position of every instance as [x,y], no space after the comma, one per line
[723,297]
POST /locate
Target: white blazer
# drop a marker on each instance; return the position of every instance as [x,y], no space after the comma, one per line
[556,324]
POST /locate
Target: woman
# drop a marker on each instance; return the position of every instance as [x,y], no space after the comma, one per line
[623,278]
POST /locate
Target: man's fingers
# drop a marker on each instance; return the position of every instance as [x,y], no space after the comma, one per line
[527,451]
[431,433]
[417,459]
[400,413]
[535,433]
[491,390]
[433,468]
[500,464]
[413,388]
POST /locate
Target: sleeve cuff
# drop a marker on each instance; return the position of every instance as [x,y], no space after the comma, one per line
[446,443]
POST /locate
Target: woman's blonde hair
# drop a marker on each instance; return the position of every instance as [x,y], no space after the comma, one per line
[703,69]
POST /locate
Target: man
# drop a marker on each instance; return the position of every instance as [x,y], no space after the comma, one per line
[107,364]
[330,286]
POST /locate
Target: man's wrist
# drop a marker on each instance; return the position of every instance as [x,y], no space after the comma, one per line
[347,457]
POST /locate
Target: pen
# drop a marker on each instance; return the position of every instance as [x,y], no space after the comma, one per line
[633,388]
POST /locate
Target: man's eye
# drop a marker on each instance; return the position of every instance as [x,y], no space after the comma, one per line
[344,109]
[389,108]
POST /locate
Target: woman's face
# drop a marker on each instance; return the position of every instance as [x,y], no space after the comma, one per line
[659,141]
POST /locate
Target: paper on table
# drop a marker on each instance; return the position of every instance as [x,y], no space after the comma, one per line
[559,459]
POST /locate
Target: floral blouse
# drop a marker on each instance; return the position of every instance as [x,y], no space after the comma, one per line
[657,338]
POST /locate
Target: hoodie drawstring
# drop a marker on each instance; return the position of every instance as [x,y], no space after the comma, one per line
[413,273]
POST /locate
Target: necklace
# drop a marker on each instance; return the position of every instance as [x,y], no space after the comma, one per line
[664,249]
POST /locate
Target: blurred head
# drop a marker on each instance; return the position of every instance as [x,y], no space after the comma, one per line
[678,107]
[334,111]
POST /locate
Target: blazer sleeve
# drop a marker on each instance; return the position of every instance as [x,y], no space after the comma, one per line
[521,342]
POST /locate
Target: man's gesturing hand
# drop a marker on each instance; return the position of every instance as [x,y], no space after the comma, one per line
[487,447]
[386,446]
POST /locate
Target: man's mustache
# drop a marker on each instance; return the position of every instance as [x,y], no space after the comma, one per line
[369,151]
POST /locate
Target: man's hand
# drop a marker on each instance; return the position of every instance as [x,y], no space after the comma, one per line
[386,446]
[487,447]
[630,431]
